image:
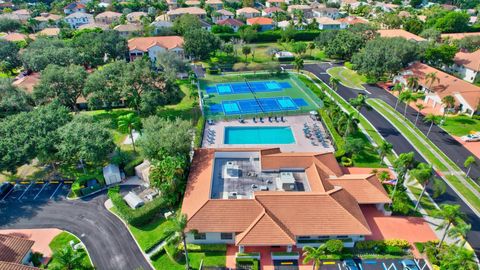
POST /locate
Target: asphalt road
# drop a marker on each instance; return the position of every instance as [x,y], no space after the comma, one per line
[401,145]
[108,241]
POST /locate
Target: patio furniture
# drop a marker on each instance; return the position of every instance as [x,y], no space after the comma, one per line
[281,119]
[254,120]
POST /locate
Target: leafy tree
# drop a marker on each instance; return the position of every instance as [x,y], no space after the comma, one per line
[104,87]
[420,107]
[67,259]
[391,20]
[469,44]
[402,165]
[344,45]
[95,48]
[448,103]
[413,25]
[13,99]
[432,119]
[248,34]
[431,78]
[299,47]
[179,226]
[349,122]
[450,215]
[8,56]
[334,246]
[171,64]
[408,97]
[424,174]
[186,23]
[431,34]
[360,102]
[440,55]
[384,149]
[168,175]
[354,146]
[84,140]
[311,47]
[469,162]
[128,123]
[458,258]
[416,3]
[64,84]
[314,255]
[9,25]
[298,63]
[460,231]
[324,37]
[246,50]
[42,52]
[413,83]
[200,43]
[451,22]
[217,29]
[164,137]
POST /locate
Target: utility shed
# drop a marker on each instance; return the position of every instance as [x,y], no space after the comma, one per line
[133,200]
[111,173]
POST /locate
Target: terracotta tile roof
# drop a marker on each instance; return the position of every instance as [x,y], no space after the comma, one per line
[74,5]
[109,14]
[93,25]
[399,33]
[317,179]
[301,7]
[454,36]
[129,27]
[49,32]
[366,189]
[265,230]
[144,43]
[45,17]
[192,3]
[352,20]
[187,10]
[259,21]
[22,12]
[272,10]
[213,2]
[446,85]
[225,12]
[230,21]
[28,82]
[468,60]
[247,10]
[326,20]
[13,249]
[14,37]
[15,266]
[136,15]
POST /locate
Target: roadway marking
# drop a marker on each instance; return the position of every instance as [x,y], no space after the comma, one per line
[56,190]
[44,185]
[8,193]
[19,198]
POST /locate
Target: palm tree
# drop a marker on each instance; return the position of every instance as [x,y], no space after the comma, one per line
[246,50]
[431,78]
[334,82]
[412,83]
[460,231]
[178,228]
[448,102]
[451,215]
[423,173]
[401,166]
[397,88]
[359,103]
[311,47]
[67,259]
[464,259]
[383,176]
[298,63]
[420,107]
[432,119]
[314,255]
[351,124]
[469,162]
[384,149]
[128,123]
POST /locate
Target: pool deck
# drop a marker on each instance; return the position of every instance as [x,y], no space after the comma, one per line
[296,123]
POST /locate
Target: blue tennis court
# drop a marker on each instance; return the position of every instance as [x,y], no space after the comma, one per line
[261,105]
[247,87]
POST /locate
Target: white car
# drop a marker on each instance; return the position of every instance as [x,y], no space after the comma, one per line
[471,137]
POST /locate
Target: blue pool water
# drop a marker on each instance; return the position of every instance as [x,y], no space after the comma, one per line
[258,135]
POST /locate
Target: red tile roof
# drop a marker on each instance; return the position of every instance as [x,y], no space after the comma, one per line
[399,33]
[144,43]
[259,21]
[468,60]
[14,249]
[230,21]
[16,266]
[453,36]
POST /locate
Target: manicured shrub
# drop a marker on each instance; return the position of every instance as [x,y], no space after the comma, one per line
[420,246]
[206,247]
[397,251]
[252,264]
[199,131]
[130,167]
[334,246]
[346,161]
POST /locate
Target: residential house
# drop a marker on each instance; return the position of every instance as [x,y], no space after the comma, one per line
[161,26]
[233,23]
[285,24]
[326,23]
[248,12]
[93,26]
[136,17]
[263,197]
[107,17]
[49,32]
[152,46]
[466,66]
[193,3]
[264,23]
[307,10]
[15,250]
[352,20]
[271,11]
[386,7]
[77,19]
[129,29]
[222,14]
[274,3]
[467,95]
[205,25]
[173,14]
[351,4]
[332,13]
[21,15]
[172,4]
[214,4]
[46,20]
[14,37]
[456,36]
[74,8]
[390,33]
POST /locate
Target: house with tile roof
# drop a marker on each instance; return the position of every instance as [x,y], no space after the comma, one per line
[126,30]
[233,23]
[274,3]
[136,17]
[264,197]
[263,23]
[14,37]
[77,19]
[215,4]
[222,14]
[352,20]
[248,12]
[152,46]
[74,7]
[173,14]
[15,250]
[467,95]
[327,23]
[456,36]
[332,13]
[107,17]
[193,3]
[46,19]
[466,65]
[270,11]
[306,9]
[390,33]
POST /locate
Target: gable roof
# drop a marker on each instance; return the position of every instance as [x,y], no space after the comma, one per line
[352,20]
[109,14]
[13,249]
[273,9]
[224,12]
[230,21]
[73,5]
[187,10]
[129,27]
[366,189]
[145,43]
[14,37]
[454,36]
[399,33]
[247,10]
[468,60]
[79,15]
[49,32]
[16,266]
[259,21]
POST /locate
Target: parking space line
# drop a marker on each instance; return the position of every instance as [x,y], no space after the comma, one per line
[392,266]
[44,185]
[19,198]
[339,267]
[59,185]
[8,193]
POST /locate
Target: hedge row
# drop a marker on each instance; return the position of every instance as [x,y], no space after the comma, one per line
[135,217]
[382,244]
[337,139]
[273,36]
[199,131]
[252,264]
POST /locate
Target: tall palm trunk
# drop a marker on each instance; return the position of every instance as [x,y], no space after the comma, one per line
[444,235]
[420,198]
[430,128]
[133,141]
[396,104]
[468,171]
[416,118]
[405,111]
[187,265]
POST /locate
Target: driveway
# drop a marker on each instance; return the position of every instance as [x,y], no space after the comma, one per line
[108,241]
[401,145]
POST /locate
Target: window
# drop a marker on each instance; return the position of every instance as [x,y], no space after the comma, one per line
[304,237]
[323,237]
[342,236]
[200,236]
[226,236]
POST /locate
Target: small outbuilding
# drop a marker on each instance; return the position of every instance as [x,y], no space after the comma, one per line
[112,175]
[133,200]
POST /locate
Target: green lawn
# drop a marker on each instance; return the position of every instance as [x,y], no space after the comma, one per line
[61,241]
[260,52]
[348,77]
[210,258]
[186,109]
[368,157]
[426,203]
[461,125]
[149,235]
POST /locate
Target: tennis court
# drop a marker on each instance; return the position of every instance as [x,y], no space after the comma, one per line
[247,87]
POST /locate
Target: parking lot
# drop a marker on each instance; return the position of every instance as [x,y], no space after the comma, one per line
[38,191]
[373,264]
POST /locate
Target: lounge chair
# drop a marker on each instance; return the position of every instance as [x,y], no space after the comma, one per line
[254,120]
[276,119]
[270,119]
[281,119]
[261,119]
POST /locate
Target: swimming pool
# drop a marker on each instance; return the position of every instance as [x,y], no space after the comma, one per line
[258,135]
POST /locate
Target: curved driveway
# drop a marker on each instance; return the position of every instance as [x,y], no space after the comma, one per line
[108,241]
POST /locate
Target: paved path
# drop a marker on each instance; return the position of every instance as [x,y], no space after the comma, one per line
[401,145]
[108,241]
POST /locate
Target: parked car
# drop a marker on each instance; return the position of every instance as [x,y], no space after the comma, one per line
[350,264]
[409,265]
[471,137]
[5,188]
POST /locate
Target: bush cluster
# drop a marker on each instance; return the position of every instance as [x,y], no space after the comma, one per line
[243,263]
[273,36]
[130,166]
[135,217]
[199,131]
[392,247]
